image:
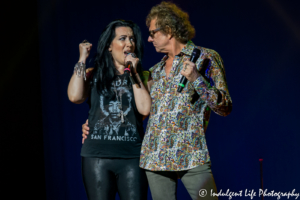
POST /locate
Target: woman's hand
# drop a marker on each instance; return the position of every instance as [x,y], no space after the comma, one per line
[132,57]
[84,50]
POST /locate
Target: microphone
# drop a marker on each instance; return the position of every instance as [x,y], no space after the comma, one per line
[195,55]
[128,67]
[128,64]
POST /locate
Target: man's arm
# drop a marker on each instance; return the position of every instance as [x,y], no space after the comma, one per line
[212,89]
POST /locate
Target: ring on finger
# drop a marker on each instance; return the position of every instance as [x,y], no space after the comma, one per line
[133,55]
[185,67]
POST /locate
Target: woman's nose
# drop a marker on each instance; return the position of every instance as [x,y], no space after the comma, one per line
[129,43]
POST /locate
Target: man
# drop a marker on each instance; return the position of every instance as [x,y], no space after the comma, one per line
[174,144]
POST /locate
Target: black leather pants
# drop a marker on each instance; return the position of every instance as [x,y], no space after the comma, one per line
[103,177]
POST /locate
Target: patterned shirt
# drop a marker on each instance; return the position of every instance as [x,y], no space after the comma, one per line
[175,134]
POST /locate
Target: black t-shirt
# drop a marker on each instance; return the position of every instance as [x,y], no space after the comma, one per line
[108,135]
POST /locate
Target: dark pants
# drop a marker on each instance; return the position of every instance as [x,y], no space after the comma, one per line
[103,177]
[163,184]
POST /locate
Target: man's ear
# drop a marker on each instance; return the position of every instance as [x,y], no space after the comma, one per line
[169,32]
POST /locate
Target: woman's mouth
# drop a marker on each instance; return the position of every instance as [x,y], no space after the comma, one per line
[127,52]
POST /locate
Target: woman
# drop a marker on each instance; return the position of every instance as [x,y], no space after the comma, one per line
[118,101]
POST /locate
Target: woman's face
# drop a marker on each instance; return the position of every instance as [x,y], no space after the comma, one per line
[122,44]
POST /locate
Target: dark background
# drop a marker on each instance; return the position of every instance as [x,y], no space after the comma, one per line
[258,40]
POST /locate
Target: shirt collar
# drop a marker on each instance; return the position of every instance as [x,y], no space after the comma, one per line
[187,50]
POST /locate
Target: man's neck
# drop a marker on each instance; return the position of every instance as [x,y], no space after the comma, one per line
[175,48]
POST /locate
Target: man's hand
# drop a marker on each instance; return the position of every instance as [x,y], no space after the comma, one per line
[85,130]
[190,71]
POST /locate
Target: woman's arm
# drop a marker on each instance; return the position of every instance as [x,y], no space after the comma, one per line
[141,96]
[78,87]
[141,93]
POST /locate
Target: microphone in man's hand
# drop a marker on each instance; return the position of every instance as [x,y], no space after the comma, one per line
[195,55]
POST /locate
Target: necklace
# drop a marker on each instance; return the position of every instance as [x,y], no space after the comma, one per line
[121,114]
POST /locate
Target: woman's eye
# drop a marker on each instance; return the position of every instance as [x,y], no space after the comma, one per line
[132,39]
[122,38]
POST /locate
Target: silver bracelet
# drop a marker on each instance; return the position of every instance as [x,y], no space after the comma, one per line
[79,70]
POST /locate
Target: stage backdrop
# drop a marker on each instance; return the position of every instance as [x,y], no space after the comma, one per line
[259,41]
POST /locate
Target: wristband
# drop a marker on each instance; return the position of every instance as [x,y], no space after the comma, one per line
[138,78]
[132,80]
[127,69]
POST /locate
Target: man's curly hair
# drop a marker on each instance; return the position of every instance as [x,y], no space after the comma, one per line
[171,19]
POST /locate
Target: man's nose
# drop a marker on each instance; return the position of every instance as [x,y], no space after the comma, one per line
[150,39]
[115,107]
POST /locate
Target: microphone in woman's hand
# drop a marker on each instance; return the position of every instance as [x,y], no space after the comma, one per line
[128,67]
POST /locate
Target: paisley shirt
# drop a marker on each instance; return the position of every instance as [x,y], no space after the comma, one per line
[175,134]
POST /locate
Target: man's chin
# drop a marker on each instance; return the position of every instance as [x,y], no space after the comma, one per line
[114,116]
[157,50]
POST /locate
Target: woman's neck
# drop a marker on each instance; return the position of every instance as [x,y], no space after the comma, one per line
[120,68]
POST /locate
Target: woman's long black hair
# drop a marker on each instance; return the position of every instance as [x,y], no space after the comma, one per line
[105,71]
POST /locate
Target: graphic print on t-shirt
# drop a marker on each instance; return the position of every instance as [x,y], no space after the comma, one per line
[110,126]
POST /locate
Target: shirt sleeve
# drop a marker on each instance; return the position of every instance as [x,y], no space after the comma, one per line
[146,75]
[213,88]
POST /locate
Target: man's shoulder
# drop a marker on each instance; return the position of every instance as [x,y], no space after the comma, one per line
[155,66]
[204,51]
[208,51]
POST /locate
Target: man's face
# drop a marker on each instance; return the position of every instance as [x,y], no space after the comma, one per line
[113,109]
[158,39]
